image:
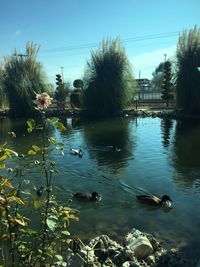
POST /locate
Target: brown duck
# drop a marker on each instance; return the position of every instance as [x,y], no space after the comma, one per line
[94,196]
[155,200]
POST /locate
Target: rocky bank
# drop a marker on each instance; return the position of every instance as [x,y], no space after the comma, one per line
[138,250]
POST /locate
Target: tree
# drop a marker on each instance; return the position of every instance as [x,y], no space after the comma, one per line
[23,78]
[62,89]
[108,80]
[78,84]
[167,86]
[158,75]
[187,74]
[76,98]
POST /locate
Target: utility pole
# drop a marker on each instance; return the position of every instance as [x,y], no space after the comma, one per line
[139,84]
[62,73]
[165,57]
[20,55]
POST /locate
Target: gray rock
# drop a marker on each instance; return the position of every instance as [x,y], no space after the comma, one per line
[139,244]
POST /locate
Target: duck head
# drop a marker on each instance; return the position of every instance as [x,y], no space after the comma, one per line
[80,153]
[166,201]
[166,198]
[95,196]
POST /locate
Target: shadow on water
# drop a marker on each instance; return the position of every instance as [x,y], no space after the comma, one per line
[101,136]
[186,153]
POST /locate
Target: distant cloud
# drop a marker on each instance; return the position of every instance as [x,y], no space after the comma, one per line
[17,33]
[147,62]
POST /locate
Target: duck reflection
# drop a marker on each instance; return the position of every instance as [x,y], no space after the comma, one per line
[109,142]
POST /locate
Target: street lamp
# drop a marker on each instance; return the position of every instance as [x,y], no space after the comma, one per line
[62,73]
[136,101]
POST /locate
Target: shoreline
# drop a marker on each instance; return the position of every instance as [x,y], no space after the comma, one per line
[138,249]
[139,113]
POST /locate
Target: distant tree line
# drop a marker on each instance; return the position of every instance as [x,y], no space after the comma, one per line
[108,84]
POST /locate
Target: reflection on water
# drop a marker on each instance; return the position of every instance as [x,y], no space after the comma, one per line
[166,128]
[109,143]
[157,156]
[186,157]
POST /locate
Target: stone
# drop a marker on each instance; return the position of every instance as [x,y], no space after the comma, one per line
[139,244]
[126,264]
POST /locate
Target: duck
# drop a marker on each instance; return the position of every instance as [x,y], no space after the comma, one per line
[78,152]
[94,196]
[165,200]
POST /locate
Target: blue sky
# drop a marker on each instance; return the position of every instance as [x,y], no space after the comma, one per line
[68,30]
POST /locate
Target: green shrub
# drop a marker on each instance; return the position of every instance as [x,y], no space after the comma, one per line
[23,78]
[188,76]
[108,80]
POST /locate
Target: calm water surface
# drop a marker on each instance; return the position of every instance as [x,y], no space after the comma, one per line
[157,156]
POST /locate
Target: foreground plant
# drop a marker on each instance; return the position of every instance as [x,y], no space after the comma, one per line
[22,243]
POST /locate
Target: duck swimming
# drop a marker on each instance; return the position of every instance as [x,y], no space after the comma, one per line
[78,152]
[94,196]
[165,200]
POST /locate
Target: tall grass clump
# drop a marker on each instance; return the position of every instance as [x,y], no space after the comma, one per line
[108,80]
[187,73]
[3,98]
[23,77]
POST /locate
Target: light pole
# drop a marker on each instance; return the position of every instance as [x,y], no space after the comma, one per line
[20,55]
[136,101]
[62,73]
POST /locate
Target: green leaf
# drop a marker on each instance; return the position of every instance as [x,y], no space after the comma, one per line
[36,203]
[32,152]
[52,120]
[12,134]
[52,141]
[39,127]
[36,148]
[10,151]
[29,130]
[28,231]
[2,165]
[60,126]
[51,224]
[4,144]
[59,257]
[31,125]
[65,233]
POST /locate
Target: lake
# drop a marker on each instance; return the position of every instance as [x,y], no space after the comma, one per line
[157,156]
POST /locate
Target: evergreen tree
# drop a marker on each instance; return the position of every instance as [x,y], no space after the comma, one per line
[167,86]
